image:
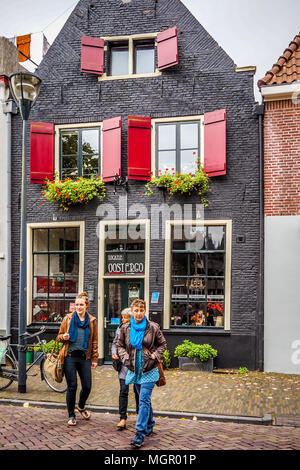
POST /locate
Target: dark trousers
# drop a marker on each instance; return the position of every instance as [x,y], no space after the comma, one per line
[123,399]
[72,365]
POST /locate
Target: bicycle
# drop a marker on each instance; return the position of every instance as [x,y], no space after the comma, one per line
[9,364]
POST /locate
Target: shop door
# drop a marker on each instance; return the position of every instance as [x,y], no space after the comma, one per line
[118,294]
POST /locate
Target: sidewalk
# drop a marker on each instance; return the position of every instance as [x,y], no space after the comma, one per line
[264,397]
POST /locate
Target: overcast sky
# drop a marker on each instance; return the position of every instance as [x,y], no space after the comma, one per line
[252,32]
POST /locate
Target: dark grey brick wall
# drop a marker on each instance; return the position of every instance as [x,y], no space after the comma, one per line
[204,80]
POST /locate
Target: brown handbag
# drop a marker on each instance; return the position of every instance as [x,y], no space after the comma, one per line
[162,379]
[53,365]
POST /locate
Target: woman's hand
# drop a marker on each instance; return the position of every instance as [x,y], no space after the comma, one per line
[94,365]
[66,336]
[153,356]
[114,356]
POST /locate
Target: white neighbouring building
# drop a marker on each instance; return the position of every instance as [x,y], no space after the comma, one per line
[280,89]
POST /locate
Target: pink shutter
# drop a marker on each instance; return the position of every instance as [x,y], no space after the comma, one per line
[111,148]
[41,151]
[139,148]
[167,48]
[92,55]
[215,143]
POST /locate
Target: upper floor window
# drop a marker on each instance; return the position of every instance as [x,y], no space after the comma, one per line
[137,55]
[119,59]
[144,57]
[178,146]
[79,152]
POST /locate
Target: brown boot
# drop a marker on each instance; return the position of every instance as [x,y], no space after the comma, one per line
[121,425]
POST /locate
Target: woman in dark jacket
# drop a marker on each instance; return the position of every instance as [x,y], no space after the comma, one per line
[142,364]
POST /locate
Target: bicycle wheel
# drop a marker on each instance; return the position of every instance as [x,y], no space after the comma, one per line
[6,371]
[55,386]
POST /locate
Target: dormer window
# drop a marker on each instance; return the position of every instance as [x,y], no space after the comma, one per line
[134,56]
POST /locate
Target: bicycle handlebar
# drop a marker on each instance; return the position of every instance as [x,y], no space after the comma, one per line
[28,335]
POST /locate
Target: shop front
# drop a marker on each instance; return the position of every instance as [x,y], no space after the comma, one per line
[123,275]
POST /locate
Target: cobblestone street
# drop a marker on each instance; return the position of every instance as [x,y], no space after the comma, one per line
[43,429]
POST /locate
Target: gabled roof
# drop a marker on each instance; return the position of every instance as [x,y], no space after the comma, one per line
[287,67]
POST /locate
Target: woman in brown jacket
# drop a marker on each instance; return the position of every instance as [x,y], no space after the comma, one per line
[79,333]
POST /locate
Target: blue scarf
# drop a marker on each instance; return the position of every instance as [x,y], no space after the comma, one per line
[137,333]
[75,323]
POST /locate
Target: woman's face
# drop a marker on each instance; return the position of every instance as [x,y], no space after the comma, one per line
[138,313]
[80,306]
[125,318]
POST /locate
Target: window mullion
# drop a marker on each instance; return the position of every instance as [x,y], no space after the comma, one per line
[130,56]
[79,153]
[178,163]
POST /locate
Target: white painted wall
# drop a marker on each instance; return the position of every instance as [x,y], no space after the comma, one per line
[3,211]
[282,294]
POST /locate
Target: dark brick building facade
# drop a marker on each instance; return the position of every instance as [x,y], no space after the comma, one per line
[205,79]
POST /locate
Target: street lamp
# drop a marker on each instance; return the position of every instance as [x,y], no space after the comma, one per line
[24,87]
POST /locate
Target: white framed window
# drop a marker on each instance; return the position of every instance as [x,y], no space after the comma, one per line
[197,274]
[130,57]
[78,150]
[177,144]
[55,269]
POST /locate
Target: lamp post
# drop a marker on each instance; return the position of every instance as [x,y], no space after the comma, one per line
[24,87]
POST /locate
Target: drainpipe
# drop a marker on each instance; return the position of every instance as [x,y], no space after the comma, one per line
[259,110]
[9,108]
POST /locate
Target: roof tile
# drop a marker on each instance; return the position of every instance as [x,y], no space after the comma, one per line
[287,67]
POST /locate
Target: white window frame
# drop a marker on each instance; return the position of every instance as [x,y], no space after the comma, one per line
[130,39]
[168,267]
[41,225]
[60,127]
[170,120]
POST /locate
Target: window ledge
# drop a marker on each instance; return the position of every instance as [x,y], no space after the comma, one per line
[198,331]
[105,77]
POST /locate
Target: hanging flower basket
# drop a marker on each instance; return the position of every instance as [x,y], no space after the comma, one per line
[73,192]
[178,183]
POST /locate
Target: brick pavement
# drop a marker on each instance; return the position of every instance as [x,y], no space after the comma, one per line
[254,394]
[42,429]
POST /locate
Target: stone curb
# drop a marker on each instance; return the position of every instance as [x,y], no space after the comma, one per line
[266,420]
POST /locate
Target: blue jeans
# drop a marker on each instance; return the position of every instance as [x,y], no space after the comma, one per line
[145,419]
[72,365]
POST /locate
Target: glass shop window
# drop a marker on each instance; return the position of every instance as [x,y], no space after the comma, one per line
[198,276]
[55,268]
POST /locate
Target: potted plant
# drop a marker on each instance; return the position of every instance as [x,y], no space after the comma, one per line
[70,192]
[193,356]
[180,183]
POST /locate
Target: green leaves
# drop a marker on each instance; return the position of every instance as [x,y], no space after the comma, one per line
[71,192]
[192,350]
[177,183]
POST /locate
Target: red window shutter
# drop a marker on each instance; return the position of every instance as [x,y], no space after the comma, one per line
[92,55]
[111,148]
[167,48]
[41,151]
[139,148]
[215,143]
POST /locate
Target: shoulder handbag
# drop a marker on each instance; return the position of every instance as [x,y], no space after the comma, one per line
[53,365]
[162,379]
[117,364]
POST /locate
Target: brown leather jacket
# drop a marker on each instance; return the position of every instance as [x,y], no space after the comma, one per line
[153,340]
[92,352]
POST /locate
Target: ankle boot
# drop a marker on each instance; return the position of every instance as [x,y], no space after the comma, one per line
[122,424]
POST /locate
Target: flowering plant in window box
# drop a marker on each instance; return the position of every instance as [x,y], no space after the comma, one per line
[70,192]
[180,183]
